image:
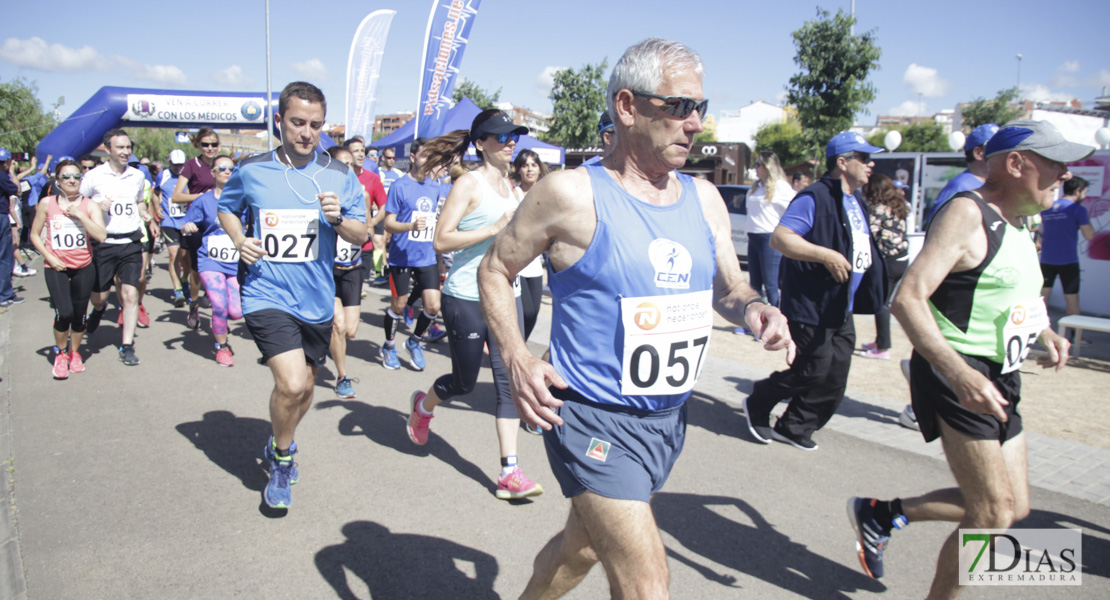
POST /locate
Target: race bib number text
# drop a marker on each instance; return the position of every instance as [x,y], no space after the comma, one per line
[290,235]
[67,234]
[665,342]
[221,249]
[1024,324]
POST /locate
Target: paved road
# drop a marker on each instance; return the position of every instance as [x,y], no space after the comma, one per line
[144,482]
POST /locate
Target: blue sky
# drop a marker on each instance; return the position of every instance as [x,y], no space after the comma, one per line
[935,54]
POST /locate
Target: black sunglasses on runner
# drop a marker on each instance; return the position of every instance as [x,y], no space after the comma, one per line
[678,106]
[209,144]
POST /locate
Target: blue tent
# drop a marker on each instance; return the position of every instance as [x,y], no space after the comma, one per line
[460,117]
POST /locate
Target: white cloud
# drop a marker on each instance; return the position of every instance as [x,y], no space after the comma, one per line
[232,76]
[1042,93]
[909,108]
[1071,66]
[37,54]
[925,81]
[546,79]
[164,74]
[311,69]
[1064,76]
[1100,79]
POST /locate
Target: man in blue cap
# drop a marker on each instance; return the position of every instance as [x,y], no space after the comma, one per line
[608,135]
[976,173]
[830,270]
[8,188]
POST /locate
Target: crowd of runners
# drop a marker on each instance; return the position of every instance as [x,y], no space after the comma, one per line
[638,257]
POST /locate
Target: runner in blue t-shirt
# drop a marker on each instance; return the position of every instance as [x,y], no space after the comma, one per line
[217,258]
[976,173]
[299,203]
[173,217]
[411,210]
[1061,225]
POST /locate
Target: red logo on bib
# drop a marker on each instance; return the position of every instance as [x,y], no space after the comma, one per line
[1018,316]
[647,316]
[271,219]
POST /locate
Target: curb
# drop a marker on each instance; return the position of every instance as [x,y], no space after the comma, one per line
[13,583]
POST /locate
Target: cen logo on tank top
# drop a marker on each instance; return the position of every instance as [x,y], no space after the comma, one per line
[672,263]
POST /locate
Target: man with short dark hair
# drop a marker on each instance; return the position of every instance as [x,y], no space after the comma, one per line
[970,305]
[650,289]
[299,203]
[831,269]
[118,189]
[375,200]
[800,181]
[607,135]
[1061,225]
[976,173]
[8,188]
[88,162]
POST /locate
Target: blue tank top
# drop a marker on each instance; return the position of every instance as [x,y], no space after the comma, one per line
[631,319]
[462,280]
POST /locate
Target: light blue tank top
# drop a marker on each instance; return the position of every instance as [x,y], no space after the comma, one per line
[629,319]
[462,280]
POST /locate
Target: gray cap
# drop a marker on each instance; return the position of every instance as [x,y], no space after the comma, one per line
[1041,137]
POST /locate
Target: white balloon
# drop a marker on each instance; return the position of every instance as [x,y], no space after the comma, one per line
[892,140]
[956,141]
[1102,136]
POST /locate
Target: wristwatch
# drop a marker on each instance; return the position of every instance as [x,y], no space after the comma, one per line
[338,222]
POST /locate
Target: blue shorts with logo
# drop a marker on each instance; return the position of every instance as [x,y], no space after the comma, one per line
[613,451]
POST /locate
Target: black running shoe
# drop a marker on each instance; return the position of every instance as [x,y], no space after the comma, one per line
[871,536]
[127,355]
[758,425]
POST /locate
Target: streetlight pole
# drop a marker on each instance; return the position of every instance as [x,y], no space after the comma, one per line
[269,89]
[1019,74]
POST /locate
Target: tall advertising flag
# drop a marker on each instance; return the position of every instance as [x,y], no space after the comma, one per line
[363,66]
[448,32]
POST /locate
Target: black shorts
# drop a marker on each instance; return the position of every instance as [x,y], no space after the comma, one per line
[125,260]
[1069,276]
[933,399]
[276,332]
[348,285]
[401,279]
[191,243]
[172,235]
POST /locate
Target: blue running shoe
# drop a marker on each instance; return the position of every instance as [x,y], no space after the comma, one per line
[278,493]
[410,317]
[872,536]
[178,298]
[388,354]
[416,353]
[270,456]
[344,389]
[434,334]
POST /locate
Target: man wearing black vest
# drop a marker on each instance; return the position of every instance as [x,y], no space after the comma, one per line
[830,270]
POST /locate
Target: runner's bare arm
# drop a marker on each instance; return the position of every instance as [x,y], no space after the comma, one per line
[353,231]
[732,293]
[540,220]
[180,196]
[1059,349]
[36,238]
[956,242]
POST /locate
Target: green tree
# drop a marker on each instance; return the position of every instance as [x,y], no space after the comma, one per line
[925,136]
[156,143]
[997,111]
[477,95]
[831,86]
[23,122]
[578,97]
[785,140]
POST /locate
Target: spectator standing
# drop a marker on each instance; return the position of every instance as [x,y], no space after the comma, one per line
[887,201]
[766,201]
[1061,226]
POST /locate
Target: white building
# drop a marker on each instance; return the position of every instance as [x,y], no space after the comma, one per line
[741,125]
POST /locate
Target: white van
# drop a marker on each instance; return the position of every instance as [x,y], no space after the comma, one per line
[736,200]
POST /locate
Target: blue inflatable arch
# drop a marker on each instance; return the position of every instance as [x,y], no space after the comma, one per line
[113,107]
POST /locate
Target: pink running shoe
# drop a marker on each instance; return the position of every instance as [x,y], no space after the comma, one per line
[61,365]
[144,319]
[517,485]
[871,346]
[876,353]
[76,365]
[223,356]
[418,421]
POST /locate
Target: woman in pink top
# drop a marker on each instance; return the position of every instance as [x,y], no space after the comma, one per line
[71,220]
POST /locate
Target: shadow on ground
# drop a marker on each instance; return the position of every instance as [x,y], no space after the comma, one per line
[401,565]
[731,533]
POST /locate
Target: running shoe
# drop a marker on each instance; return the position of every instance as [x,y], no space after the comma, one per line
[758,425]
[410,317]
[127,355]
[416,353]
[76,365]
[149,272]
[270,456]
[871,536]
[178,299]
[800,443]
[516,485]
[224,356]
[381,280]
[204,301]
[16,300]
[908,418]
[93,321]
[144,318]
[119,318]
[24,271]
[906,369]
[61,365]
[278,493]
[419,422]
[388,354]
[871,346]
[875,353]
[434,334]
[193,320]
[344,389]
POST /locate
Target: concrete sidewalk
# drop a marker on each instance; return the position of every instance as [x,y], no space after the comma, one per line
[144,482]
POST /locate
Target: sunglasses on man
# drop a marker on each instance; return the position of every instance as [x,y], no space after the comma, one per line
[678,106]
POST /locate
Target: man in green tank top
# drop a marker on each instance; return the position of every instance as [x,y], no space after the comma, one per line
[970,304]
